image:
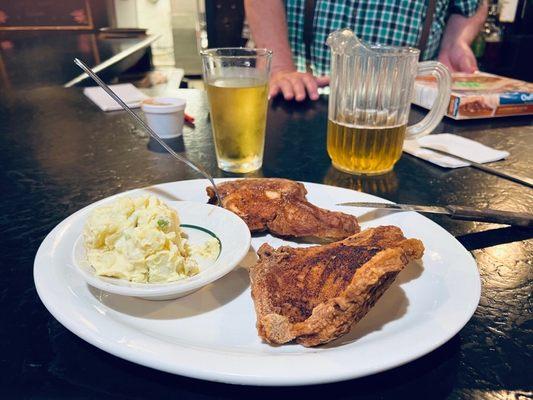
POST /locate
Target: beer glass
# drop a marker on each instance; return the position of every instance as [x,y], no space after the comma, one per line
[237,89]
[371,89]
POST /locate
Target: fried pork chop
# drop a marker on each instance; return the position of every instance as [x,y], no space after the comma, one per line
[314,295]
[280,206]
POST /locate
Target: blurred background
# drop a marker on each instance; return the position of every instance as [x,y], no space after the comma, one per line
[127,39]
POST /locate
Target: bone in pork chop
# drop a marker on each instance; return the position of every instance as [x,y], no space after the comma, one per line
[315,294]
[280,206]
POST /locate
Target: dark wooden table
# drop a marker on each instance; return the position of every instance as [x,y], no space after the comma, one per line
[60,153]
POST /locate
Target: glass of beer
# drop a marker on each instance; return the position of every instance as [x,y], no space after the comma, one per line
[237,90]
[371,87]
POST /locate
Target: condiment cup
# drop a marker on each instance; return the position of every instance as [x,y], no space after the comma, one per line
[165,115]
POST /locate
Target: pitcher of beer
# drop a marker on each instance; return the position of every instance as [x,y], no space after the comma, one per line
[371,88]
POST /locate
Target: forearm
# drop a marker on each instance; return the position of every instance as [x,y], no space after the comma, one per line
[463,30]
[268,25]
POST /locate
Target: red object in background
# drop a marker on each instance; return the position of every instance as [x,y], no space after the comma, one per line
[79,16]
[6,45]
[3,17]
[189,119]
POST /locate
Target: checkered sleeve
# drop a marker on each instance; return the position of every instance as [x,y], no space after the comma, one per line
[386,22]
[466,8]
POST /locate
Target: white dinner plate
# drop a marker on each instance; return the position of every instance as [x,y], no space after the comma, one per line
[211,333]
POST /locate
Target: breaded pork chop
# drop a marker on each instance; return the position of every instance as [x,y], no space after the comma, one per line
[280,206]
[314,295]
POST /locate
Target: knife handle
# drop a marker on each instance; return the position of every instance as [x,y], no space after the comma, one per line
[494,216]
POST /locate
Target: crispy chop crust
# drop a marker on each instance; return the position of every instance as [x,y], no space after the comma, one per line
[314,295]
[280,207]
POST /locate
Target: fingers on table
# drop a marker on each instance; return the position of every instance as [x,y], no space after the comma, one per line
[322,80]
[311,86]
[274,90]
[298,86]
[285,86]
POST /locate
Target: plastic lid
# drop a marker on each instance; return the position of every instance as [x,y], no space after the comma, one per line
[163,105]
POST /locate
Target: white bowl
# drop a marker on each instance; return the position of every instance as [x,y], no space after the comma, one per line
[200,222]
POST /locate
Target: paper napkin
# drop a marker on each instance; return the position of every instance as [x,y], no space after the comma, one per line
[126,91]
[453,144]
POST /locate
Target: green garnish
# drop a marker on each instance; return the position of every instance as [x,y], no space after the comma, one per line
[162,223]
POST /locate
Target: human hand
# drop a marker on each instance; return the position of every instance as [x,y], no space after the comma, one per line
[458,57]
[296,85]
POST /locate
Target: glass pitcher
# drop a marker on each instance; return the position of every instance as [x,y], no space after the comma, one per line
[371,89]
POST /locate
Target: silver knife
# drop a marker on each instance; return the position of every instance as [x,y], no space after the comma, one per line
[458,212]
[519,179]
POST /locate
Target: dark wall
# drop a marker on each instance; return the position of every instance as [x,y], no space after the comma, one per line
[224,19]
[53,14]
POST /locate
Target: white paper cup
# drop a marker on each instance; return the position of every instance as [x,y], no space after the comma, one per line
[165,115]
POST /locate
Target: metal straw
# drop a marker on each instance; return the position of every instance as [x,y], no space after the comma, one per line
[154,135]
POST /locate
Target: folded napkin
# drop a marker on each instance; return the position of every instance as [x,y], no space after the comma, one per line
[126,91]
[453,144]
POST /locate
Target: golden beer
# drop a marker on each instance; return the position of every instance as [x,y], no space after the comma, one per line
[364,149]
[238,109]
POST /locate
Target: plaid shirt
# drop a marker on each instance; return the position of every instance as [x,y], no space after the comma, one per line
[388,22]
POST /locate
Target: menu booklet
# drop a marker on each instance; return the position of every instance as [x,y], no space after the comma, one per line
[479,95]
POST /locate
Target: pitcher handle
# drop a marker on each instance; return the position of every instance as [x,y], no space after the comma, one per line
[434,116]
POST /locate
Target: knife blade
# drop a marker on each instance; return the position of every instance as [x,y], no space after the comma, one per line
[518,179]
[457,212]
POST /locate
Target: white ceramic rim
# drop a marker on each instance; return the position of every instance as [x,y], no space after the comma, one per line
[176,104]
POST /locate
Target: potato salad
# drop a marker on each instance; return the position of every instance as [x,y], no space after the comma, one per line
[138,239]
